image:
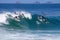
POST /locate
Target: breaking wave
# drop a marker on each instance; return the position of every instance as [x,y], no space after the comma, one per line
[26,21]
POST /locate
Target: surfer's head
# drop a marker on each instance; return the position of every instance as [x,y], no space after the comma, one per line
[15,16]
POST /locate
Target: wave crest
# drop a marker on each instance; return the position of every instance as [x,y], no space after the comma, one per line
[24,20]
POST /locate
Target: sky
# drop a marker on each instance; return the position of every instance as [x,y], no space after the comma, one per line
[29,1]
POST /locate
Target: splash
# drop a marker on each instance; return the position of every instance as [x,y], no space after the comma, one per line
[24,20]
[4,15]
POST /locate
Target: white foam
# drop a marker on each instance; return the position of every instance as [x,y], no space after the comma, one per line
[26,14]
[14,35]
[4,14]
[2,18]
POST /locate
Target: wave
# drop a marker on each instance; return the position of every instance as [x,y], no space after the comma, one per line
[26,21]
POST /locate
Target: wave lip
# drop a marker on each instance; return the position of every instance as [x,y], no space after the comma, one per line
[4,15]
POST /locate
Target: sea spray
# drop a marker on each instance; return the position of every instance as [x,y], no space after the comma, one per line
[26,21]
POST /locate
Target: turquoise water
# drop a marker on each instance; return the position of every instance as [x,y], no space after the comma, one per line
[27,24]
[30,29]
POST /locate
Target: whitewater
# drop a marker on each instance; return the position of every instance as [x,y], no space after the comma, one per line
[29,22]
[4,15]
[13,32]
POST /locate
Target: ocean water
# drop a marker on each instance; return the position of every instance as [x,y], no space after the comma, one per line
[22,22]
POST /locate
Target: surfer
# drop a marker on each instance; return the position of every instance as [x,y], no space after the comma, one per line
[22,15]
[16,13]
[42,19]
[16,17]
